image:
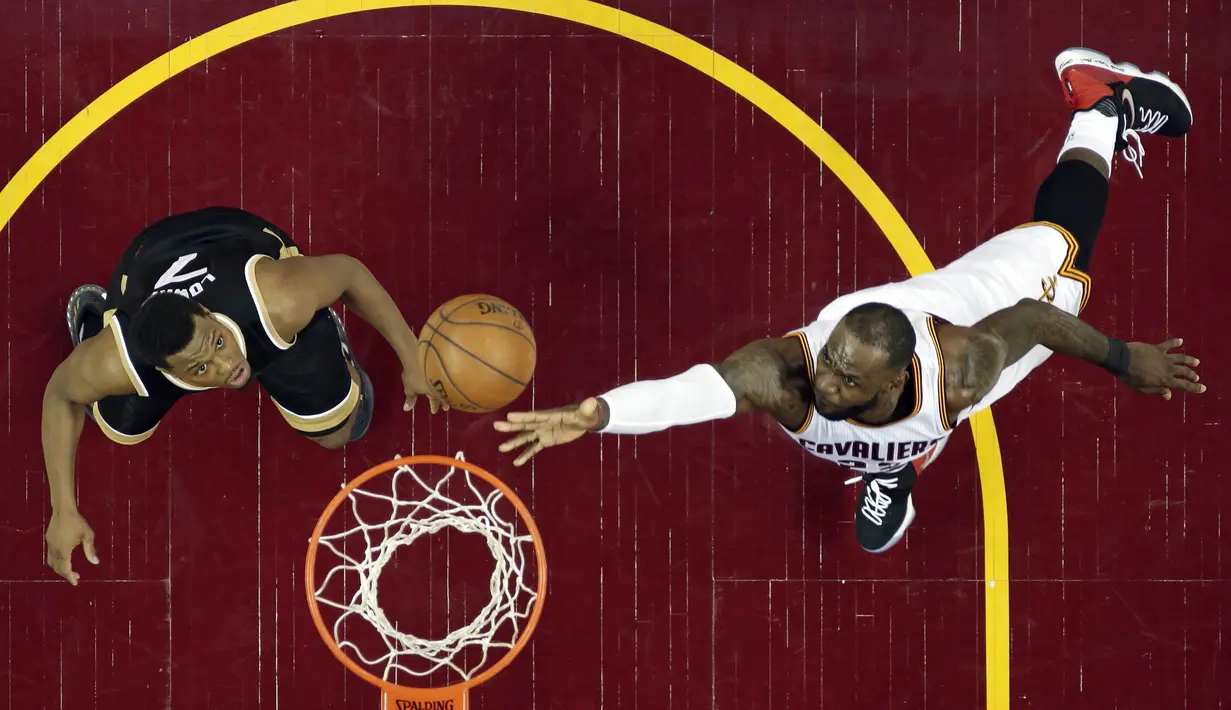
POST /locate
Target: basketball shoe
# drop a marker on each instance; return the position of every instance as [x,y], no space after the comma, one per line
[885,508]
[1143,103]
[87,301]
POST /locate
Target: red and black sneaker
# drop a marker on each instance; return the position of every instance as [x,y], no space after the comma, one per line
[1147,103]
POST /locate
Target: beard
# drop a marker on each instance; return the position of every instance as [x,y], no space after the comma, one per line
[850,412]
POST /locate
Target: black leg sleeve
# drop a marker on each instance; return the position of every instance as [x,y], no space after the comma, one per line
[1074,196]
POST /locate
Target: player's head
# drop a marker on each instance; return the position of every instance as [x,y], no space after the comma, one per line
[180,336]
[867,354]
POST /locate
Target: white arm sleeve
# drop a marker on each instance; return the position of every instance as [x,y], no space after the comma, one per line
[698,395]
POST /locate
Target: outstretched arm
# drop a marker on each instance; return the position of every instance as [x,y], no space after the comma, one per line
[92,371]
[295,289]
[752,379]
[1004,337]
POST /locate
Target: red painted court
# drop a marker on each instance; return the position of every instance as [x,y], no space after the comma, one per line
[644,218]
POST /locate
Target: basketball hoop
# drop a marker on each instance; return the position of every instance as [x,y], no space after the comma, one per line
[419,508]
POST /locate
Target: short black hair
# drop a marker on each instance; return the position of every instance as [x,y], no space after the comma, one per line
[163,326]
[885,328]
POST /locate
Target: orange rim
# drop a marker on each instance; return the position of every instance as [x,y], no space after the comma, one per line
[310,576]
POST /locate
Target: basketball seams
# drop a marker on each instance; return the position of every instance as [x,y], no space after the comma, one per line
[445,316]
[445,371]
[503,316]
[493,325]
[454,343]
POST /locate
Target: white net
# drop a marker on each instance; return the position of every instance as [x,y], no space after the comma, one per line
[417,509]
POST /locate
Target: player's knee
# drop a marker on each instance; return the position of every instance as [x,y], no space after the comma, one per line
[342,436]
[335,440]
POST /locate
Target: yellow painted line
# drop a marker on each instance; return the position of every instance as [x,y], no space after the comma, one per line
[723,70]
[995,559]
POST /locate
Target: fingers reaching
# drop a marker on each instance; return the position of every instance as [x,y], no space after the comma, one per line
[1189,385]
[1185,373]
[87,546]
[63,566]
[517,441]
[528,437]
[528,453]
[507,426]
[436,404]
[536,417]
[540,429]
[1182,375]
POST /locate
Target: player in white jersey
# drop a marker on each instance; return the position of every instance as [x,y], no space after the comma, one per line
[881,378]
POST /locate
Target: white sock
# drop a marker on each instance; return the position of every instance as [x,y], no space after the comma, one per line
[1093,131]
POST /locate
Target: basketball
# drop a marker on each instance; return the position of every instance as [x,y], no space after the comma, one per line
[478,352]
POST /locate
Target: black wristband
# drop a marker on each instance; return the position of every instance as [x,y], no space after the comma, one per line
[1118,357]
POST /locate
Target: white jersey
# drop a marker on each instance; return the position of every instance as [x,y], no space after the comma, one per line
[1032,261]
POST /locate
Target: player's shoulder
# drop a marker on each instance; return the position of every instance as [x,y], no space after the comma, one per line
[769,375]
[972,359]
[768,353]
[97,368]
[292,289]
[791,350]
[293,281]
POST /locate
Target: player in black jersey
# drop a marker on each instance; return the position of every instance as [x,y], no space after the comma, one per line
[205,300]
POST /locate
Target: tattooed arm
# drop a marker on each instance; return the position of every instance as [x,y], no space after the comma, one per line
[760,375]
[977,355]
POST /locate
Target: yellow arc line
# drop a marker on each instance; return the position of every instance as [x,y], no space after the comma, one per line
[667,41]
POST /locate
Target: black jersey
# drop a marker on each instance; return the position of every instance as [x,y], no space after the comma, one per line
[209,256]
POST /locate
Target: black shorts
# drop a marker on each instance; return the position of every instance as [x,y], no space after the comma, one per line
[311,383]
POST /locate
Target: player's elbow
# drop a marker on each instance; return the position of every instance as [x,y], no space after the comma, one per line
[57,389]
[1032,306]
[347,274]
[350,269]
[334,440]
[59,402]
[332,444]
[348,265]
[986,352]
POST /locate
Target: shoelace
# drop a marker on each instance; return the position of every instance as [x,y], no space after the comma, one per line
[875,501]
[1149,122]
[1134,152]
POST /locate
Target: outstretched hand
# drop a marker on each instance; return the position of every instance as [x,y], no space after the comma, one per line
[415,383]
[64,533]
[547,427]
[1154,370]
